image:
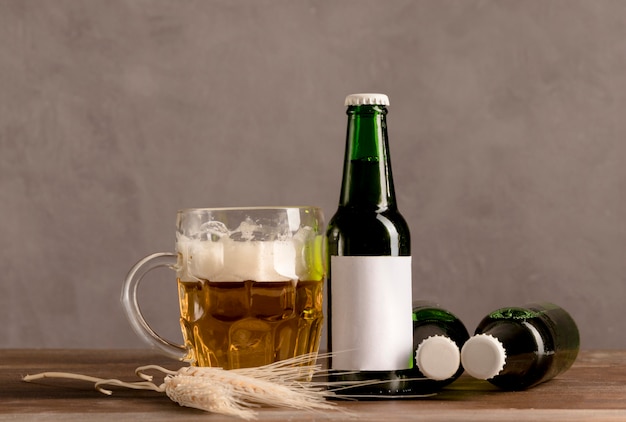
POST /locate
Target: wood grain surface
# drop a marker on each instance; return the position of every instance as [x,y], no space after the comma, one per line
[593,389]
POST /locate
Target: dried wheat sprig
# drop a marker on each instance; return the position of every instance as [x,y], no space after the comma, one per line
[231,392]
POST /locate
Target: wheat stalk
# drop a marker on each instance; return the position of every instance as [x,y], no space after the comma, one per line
[230,392]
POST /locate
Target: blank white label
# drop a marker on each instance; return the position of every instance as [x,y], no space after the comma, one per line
[372,326]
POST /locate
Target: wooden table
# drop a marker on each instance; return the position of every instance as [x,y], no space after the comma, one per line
[593,389]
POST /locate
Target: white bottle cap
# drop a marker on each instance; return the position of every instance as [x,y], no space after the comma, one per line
[367,99]
[483,356]
[438,357]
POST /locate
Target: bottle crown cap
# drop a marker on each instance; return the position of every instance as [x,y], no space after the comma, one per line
[438,357]
[366,99]
[483,356]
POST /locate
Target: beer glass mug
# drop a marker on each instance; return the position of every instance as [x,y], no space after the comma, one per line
[250,285]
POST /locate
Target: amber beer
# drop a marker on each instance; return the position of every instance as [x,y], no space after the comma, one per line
[250,285]
[234,324]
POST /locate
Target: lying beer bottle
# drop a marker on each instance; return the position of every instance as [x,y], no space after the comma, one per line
[517,348]
[438,336]
[369,264]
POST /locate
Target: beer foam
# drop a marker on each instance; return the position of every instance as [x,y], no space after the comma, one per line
[230,260]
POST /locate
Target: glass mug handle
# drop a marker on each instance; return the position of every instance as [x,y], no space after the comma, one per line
[131,305]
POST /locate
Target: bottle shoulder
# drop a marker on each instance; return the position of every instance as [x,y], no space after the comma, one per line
[354,218]
[359,232]
[432,313]
[432,320]
[550,324]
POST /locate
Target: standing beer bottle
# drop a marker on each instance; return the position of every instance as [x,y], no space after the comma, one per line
[438,336]
[369,260]
[517,348]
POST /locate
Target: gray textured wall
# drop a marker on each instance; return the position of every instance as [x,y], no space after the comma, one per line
[506,124]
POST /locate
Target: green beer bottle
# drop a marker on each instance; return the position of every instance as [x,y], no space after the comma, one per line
[438,336]
[370,330]
[517,348]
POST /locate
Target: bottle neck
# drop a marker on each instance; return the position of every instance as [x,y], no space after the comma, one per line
[367,179]
[517,337]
